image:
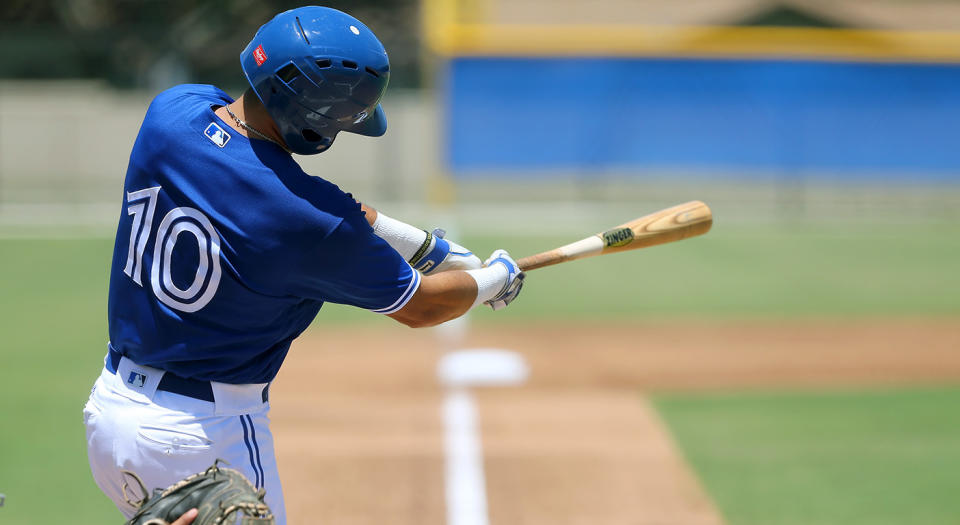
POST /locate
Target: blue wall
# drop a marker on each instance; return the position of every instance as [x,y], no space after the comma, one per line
[590,114]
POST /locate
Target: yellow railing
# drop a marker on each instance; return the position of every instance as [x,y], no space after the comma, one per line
[448,34]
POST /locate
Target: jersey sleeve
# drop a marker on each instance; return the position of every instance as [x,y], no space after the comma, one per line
[351,265]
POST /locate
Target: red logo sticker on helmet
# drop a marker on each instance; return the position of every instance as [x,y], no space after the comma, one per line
[259,56]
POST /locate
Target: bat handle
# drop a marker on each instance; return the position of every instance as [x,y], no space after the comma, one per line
[532,262]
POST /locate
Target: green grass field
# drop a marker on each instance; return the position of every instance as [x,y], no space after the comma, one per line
[54,317]
[846,458]
[53,311]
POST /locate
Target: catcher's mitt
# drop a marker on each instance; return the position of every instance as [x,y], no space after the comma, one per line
[222,495]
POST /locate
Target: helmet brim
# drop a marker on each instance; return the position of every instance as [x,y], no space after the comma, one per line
[373,126]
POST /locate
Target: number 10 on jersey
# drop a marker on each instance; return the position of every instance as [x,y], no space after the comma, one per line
[141,205]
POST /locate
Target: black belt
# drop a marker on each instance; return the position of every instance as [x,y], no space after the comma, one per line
[175,384]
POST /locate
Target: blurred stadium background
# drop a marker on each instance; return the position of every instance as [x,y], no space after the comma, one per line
[784,111]
[822,133]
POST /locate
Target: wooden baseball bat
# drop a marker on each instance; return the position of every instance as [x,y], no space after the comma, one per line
[672,224]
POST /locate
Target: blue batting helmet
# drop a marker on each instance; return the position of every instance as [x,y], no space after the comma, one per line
[318,71]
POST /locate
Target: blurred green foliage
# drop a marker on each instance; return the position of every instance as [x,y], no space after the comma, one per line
[792,458]
[154,44]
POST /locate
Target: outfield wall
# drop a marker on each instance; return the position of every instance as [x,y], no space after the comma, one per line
[528,96]
[641,115]
[64,149]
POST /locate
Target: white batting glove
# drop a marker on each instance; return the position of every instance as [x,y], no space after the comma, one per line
[509,278]
[442,255]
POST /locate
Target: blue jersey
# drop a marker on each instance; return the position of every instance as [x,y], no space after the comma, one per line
[226,249]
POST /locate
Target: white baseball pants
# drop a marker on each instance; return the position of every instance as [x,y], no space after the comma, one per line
[164,437]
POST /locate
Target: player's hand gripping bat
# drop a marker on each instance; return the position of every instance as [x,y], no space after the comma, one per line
[669,225]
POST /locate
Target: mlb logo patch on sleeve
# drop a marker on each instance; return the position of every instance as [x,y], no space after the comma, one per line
[216,134]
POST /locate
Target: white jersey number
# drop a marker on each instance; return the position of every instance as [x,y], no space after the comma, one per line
[206,279]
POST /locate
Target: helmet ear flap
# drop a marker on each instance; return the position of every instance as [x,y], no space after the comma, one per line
[313,137]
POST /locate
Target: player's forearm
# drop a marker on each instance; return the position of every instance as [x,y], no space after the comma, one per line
[448,295]
[440,298]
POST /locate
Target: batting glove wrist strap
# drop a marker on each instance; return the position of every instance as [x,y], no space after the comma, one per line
[428,252]
[434,251]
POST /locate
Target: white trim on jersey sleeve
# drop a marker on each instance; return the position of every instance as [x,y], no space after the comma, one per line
[405,298]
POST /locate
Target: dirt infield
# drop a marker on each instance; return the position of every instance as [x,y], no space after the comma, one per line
[356,412]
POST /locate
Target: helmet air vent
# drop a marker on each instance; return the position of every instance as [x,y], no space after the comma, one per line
[372,71]
[324,63]
[288,72]
[350,64]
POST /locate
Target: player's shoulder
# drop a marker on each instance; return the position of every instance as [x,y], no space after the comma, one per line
[191,93]
[185,101]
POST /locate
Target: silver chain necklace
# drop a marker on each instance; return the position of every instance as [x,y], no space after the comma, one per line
[250,128]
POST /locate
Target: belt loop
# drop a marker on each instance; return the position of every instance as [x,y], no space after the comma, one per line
[236,400]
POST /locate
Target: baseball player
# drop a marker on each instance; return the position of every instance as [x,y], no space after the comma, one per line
[226,250]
